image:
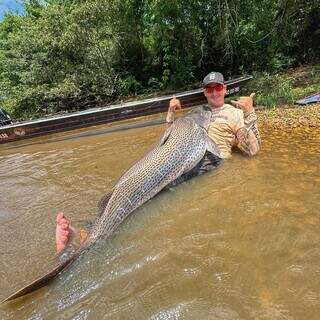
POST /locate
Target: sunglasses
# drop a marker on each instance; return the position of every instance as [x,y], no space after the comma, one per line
[218,87]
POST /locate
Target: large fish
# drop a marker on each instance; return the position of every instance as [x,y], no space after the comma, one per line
[180,150]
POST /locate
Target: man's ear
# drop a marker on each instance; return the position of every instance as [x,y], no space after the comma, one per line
[225,89]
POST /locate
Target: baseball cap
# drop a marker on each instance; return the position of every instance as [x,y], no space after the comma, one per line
[213,77]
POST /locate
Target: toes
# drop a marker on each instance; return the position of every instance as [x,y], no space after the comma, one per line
[63,233]
[63,239]
[59,217]
[62,222]
[64,225]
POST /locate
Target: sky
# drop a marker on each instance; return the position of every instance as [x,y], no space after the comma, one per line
[10,5]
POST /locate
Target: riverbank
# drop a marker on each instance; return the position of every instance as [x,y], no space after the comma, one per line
[290,116]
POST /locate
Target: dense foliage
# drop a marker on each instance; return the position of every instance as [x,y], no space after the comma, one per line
[72,54]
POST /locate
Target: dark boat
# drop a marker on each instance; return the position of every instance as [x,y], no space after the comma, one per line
[28,129]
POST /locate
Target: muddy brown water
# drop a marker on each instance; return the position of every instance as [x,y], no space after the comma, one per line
[242,242]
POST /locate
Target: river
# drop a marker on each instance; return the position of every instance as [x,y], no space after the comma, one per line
[241,242]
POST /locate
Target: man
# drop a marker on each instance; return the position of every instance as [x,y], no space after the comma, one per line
[230,127]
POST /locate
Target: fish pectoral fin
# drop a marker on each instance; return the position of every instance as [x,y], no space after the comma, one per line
[103,202]
[212,147]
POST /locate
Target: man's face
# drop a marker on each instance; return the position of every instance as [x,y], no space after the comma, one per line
[215,93]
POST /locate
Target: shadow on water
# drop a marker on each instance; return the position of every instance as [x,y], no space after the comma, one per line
[95,132]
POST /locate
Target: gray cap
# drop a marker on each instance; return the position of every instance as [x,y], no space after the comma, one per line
[213,77]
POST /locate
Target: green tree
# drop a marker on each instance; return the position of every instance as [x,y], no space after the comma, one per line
[68,54]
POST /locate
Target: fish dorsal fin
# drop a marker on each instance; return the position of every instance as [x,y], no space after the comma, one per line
[103,203]
[212,147]
[161,142]
[165,136]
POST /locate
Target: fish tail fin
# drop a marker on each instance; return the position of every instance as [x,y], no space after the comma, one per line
[43,280]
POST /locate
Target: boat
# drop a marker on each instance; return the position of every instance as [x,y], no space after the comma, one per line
[14,131]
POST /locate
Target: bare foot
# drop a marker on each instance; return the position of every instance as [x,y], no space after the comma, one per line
[63,231]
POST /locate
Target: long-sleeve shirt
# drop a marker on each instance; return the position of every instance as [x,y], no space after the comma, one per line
[230,127]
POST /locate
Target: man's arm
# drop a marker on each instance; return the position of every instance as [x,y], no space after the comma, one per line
[173,105]
[248,137]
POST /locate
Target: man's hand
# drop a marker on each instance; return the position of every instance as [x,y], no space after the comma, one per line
[244,103]
[173,105]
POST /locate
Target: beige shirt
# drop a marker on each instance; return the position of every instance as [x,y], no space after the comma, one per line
[231,128]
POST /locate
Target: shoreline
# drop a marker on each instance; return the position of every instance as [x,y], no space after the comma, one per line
[292,116]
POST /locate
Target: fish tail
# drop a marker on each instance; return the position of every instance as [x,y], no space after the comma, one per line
[43,280]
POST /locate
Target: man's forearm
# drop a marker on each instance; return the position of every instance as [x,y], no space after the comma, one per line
[170,117]
[248,137]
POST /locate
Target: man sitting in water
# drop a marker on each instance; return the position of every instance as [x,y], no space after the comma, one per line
[231,126]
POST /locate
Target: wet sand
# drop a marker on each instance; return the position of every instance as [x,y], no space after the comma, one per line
[290,116]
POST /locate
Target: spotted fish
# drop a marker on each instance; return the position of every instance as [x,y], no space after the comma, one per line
[180,149]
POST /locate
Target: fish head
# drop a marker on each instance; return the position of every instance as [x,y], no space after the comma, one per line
[202,118]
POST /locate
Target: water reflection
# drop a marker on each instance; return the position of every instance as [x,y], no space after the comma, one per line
[241,242]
